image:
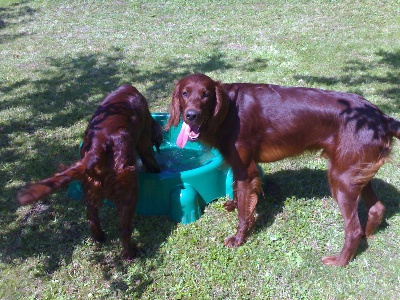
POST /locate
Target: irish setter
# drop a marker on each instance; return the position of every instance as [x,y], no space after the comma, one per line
[251,123]
[120,128]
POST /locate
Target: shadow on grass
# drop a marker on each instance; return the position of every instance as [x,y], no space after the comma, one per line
[358,72]
[12,15]
[282,185]
[308,184]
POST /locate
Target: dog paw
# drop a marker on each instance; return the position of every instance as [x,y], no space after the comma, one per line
[333,261]
[129,255]
[233,242]
[99,237]
[230,205]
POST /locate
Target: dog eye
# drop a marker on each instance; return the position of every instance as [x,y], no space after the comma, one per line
[206,94]
[184,94]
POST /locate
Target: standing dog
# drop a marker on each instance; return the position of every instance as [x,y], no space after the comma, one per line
[120,128]
[250,123]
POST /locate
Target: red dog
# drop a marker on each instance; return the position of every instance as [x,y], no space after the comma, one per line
[250,123]
[121,127]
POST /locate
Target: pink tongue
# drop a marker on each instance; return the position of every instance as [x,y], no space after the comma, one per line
[183,135]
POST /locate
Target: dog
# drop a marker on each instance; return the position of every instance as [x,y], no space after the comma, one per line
[120,128]
[251,123]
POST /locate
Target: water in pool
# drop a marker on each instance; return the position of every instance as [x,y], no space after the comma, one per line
[174,160]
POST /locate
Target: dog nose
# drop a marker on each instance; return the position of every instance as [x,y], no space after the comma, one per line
[191,115]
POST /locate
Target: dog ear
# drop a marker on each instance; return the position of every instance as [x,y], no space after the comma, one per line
[174,109]
[221,103]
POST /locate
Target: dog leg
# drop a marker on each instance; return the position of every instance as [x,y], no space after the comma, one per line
[92,214]
[246,194]
[127,195]
[125,216]
[347,196]
[375,208]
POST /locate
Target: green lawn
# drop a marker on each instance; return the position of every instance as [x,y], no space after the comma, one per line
[59,59]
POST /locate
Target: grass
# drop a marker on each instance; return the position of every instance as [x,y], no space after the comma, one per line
[59,59]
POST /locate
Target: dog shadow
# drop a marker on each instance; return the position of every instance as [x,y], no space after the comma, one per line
[54,230]
[309,183]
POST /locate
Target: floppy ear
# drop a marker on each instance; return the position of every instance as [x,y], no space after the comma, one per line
[221,103]
[174,109]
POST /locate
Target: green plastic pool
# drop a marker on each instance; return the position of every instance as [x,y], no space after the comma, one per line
[190,178]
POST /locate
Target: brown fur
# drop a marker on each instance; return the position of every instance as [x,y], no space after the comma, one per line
[120,128]
[251,123]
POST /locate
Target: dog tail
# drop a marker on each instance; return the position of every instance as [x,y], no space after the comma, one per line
[38,190]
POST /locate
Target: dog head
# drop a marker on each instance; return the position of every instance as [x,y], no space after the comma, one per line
[201,102]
